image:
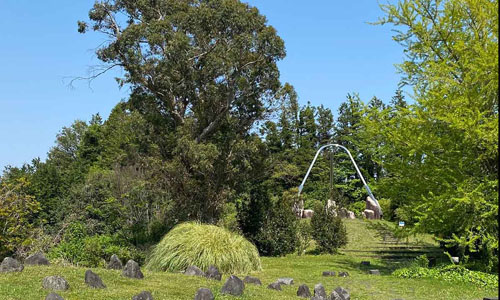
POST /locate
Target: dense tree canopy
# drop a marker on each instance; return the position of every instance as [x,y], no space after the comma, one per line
[209,133]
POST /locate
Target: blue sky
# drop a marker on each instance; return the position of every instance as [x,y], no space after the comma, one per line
[331,51]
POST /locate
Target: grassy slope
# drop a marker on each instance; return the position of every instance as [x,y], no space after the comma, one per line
[366,243]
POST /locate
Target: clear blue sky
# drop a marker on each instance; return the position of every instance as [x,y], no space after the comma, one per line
[331,51]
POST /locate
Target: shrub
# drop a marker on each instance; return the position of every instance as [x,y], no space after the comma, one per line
[328,230]
[304,232]
[358,207]
[278,235]
[453,273]
[78,248]
[16,210]
[204,245]
[421,261]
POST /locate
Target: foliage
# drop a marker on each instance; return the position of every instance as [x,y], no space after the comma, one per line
[304,236]
[421,261]
[358,207]
[193,244]
[442,151]
[452,273]
[79,248]
[328,230]
[16,211]
[278,235]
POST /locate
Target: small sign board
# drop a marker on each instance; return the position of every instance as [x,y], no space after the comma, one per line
[401,224]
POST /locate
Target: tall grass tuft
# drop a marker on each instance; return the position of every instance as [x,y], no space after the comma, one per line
[204,245]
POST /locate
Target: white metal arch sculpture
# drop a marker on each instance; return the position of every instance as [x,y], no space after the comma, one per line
[301,186]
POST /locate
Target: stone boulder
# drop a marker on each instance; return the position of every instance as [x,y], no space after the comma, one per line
[213,273]
[204,294]
[56,283]
[303,291]
[340,294]
[343,274]
[307,213]
[132,270]
[10,264]
[53,296]
[285,281]
[144,295]
[194,271]
[252,280]
[351,215]
[328,273]
[115,263]
[275,286]
[374,272]
[330,204]
[372,205]
[319,291]
[37,259]
[343,213]
[93,280]
[369,214]
[233,286]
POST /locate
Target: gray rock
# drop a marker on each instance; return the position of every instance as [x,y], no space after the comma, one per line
[204,294]
[343,213]
[213,273]
[194,271]
[374,272]
[351,215]
[334,296]
[233,286]
[93,280]
[252,280]
[303,291]
[328,273]
[56,283]
[455,259]
[144,295]
[372,205]
[317,298]
[369,214]
[319,291]
[10,264]
[115,263]
[342,293]
[53,296]
[132,270]
[275,286]
[343,274]
[37,259]
[365,263]
[307,213]
[285,281]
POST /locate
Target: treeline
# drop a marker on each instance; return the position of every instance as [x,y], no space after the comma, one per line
[210,134]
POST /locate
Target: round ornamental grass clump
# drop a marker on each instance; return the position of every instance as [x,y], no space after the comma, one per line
[194,244]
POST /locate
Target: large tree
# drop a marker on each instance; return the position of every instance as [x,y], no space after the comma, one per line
[444,147]
[202,72]
[213,61]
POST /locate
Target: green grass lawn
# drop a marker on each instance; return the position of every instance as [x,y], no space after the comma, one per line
[367,241]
